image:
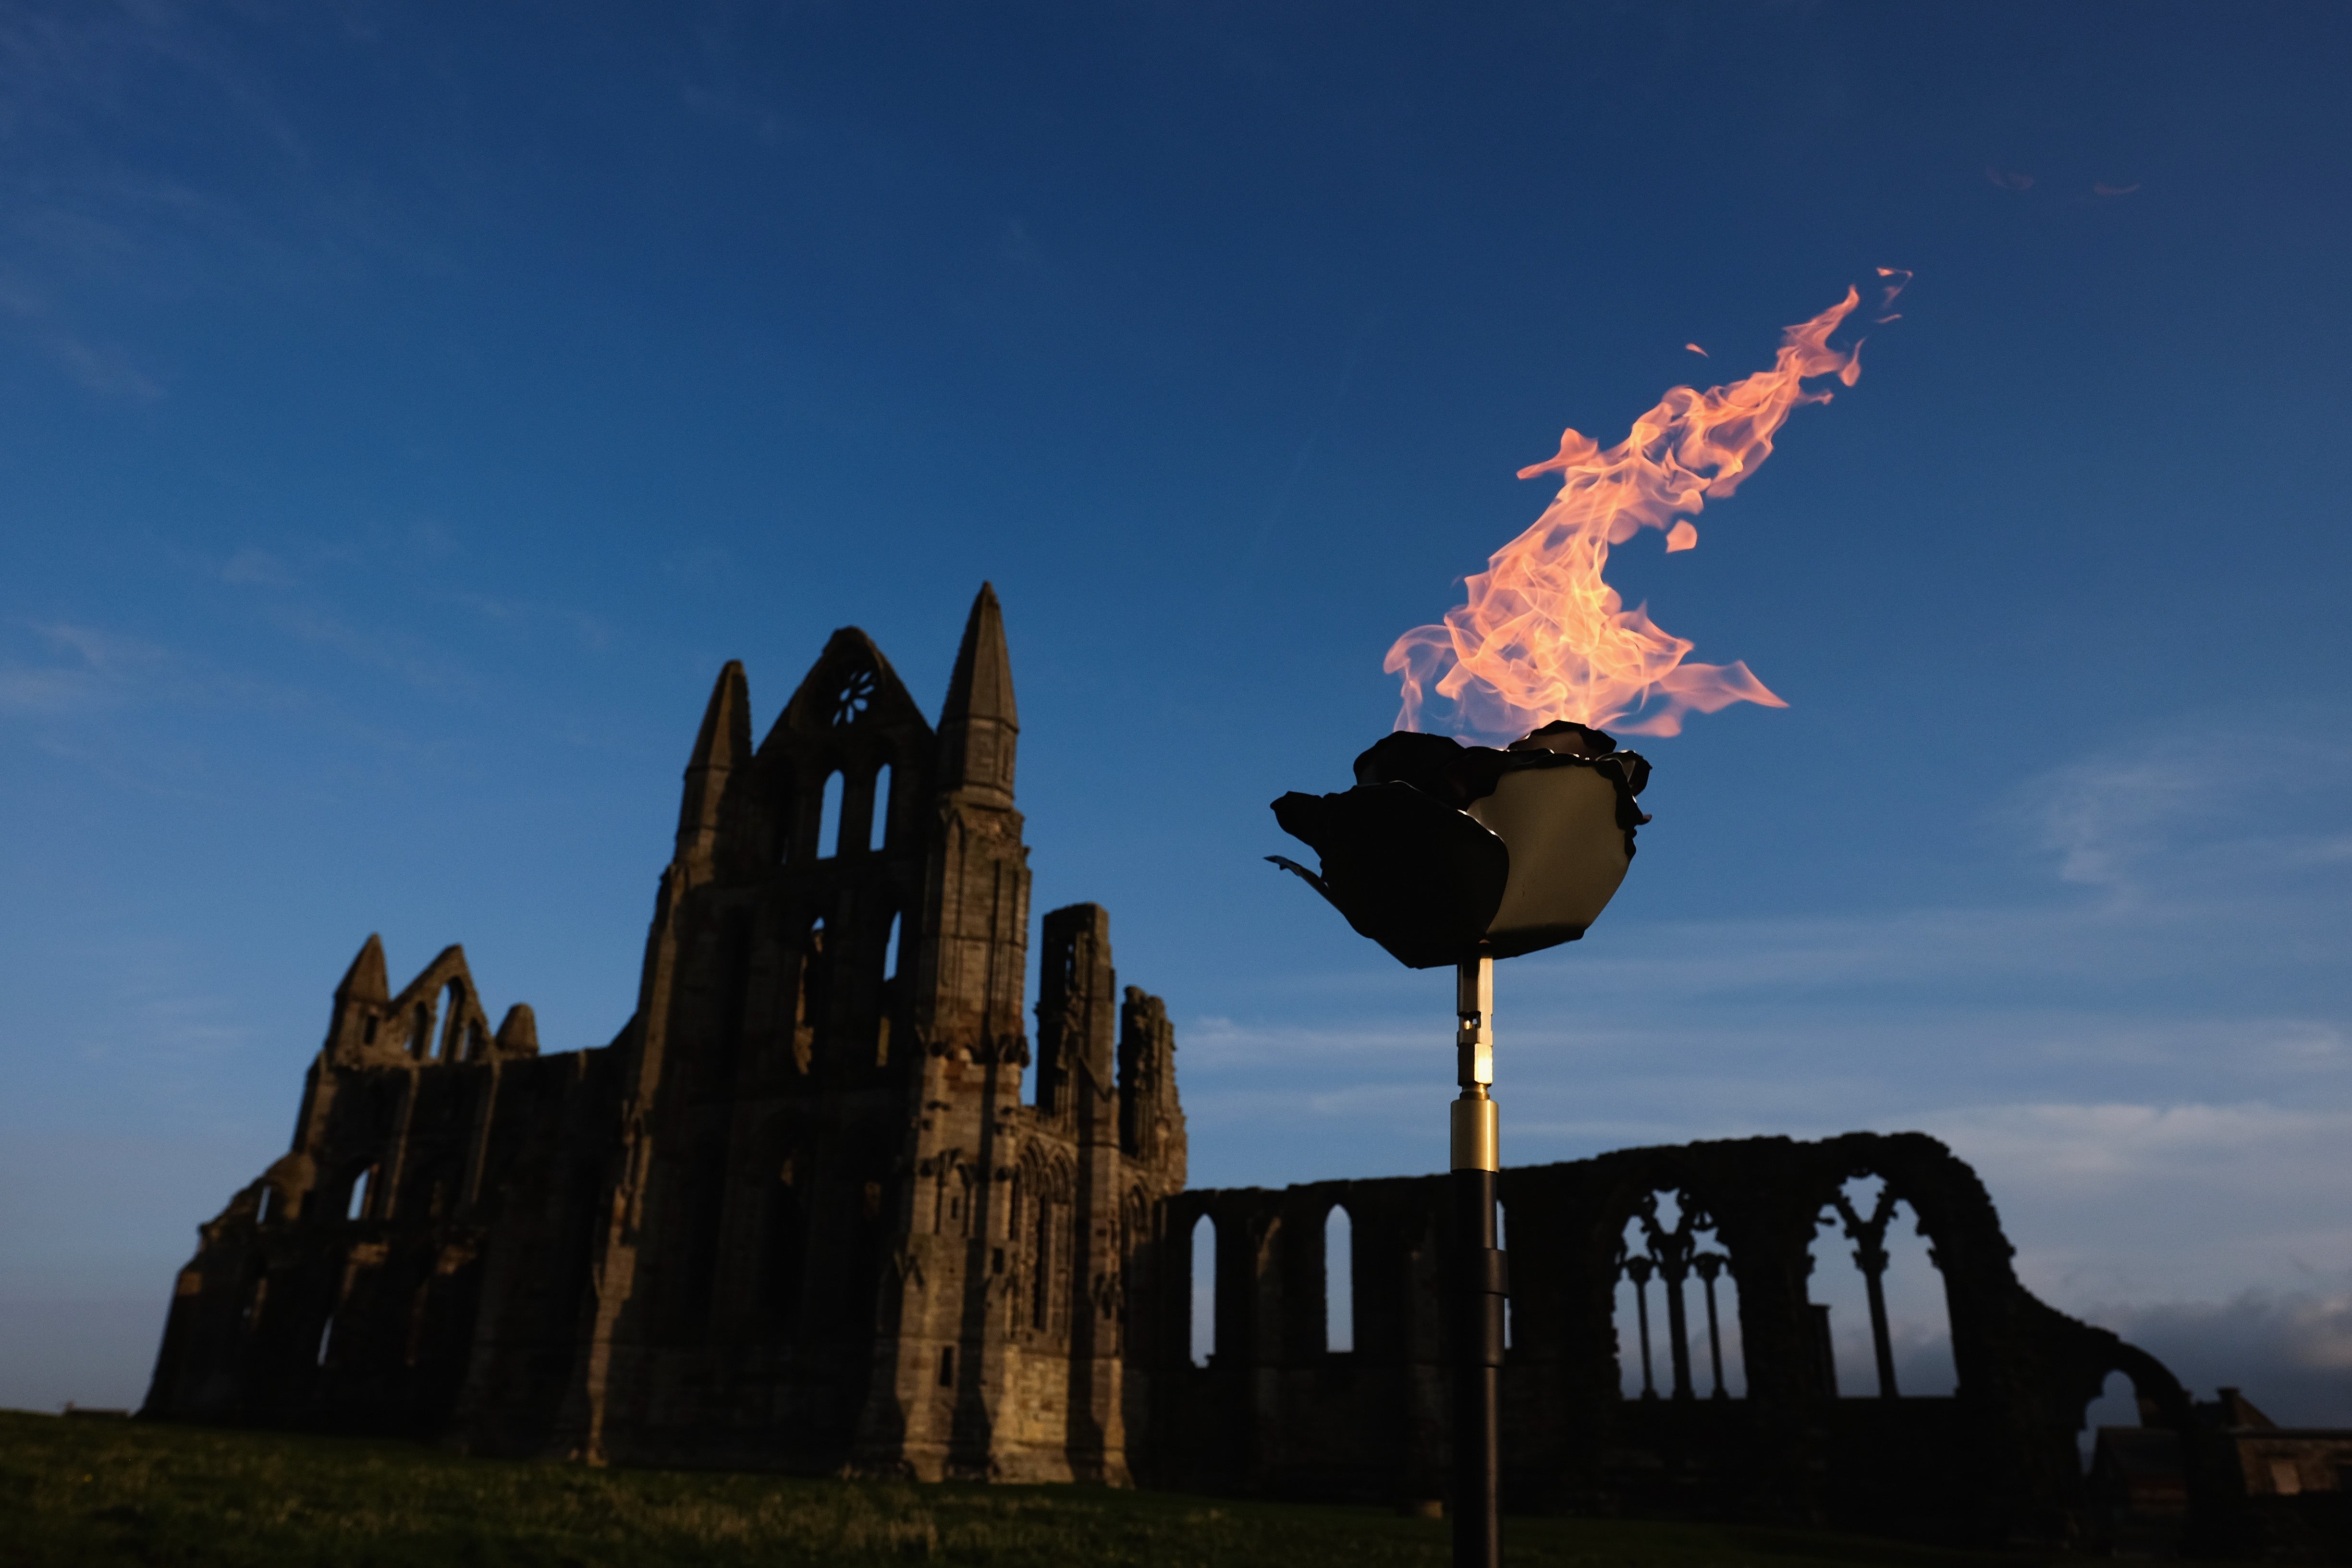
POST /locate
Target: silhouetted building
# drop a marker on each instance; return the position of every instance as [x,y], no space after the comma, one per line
[795,1215]
[1275,1409]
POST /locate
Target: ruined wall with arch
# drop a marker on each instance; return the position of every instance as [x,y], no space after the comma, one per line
[1722,1252]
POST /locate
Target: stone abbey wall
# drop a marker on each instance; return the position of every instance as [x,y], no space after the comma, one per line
[1277,1409]
[796,1213]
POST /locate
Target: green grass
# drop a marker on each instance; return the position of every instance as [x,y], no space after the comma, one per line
[96,1493]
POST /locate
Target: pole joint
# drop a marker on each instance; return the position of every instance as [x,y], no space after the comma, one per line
[1477,1137]
[1474,1032]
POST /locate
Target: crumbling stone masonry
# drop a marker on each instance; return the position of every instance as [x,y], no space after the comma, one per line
[1277,1410]
[795,1215]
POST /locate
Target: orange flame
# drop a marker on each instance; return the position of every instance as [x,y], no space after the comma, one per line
[1543,636]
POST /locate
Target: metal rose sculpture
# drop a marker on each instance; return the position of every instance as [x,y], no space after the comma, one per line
[1444,853]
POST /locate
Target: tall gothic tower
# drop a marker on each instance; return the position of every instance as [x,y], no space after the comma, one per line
[796,1215]
[837,1235]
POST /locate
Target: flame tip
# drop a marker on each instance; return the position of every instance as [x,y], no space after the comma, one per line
[1544,635]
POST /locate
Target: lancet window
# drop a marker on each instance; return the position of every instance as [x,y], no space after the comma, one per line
[947,1191]
[1338,1280]
[453,1032]
[1040,1264]
[1205,1289]
[1037,1236]
[1050,1259]
[828,820]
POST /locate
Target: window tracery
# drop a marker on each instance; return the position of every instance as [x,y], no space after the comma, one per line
[853,699]
[1670,1248]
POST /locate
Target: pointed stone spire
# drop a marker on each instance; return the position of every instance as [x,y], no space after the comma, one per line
[361,1001]
[980,726]
[364,981]
[518,1033]
[723,745]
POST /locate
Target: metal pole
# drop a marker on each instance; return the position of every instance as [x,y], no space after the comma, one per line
[1478,1278]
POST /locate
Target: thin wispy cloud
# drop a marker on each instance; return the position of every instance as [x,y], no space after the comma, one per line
[375,646]
[148,718]
[253,568]
[42,325]
[102,226]
[586,630]
[2202,806]
[72,670]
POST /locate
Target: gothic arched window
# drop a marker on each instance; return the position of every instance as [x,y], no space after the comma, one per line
[828,817]
[1874,1278]
[880,833]
[1205,1289]
[1669,1241]
[1338,1280]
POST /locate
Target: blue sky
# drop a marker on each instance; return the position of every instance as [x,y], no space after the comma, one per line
[405,410]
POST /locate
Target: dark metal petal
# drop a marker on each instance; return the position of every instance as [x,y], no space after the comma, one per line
[1303,874]
[1409,871]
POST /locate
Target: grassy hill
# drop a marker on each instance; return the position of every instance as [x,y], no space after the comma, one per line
[97,1493]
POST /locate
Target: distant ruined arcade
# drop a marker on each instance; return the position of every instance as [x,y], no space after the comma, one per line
[1715,1243]
[796,1215]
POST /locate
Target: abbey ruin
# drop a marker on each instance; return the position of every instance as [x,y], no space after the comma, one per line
[798,1215]
[795,1215]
